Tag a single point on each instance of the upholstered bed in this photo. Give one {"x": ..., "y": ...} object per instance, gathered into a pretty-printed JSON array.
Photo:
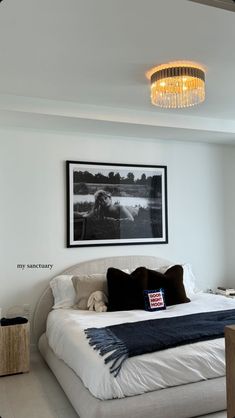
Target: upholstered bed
[{"x": 204, "y": 395}]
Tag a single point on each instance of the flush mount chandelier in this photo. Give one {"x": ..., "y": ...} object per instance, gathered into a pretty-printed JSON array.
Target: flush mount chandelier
[{"x": 177, "y": 84}]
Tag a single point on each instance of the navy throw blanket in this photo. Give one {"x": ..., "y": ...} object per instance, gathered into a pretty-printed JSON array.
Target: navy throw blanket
[{"x": 131, "y": 339}]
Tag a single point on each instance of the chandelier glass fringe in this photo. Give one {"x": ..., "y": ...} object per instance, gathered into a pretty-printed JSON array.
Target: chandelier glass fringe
[{"x": 177, "y": 84}]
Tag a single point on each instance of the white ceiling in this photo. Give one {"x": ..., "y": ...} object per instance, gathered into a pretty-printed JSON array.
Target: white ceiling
[{"x": 86, "y": 60}]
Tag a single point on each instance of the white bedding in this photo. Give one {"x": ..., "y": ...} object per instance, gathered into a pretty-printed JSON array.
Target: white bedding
[{"x": 171, "y": 367}]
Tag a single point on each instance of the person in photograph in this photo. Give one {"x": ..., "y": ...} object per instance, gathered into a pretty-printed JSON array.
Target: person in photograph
[{"x": 105, "y": 209}]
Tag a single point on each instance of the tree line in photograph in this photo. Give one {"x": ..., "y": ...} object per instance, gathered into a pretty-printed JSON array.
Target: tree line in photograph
[
  {"x": 112, "y": 178},
  {"x": 87, "y": 183}
]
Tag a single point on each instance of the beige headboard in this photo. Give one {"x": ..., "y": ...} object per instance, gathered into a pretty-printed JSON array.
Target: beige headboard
[{"x": 99, "y": 265}]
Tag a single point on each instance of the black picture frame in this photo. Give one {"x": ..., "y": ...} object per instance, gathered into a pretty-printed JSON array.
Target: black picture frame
[{"x": 116, "y": 204}]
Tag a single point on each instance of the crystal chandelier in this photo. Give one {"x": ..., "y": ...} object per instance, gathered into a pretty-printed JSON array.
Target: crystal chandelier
[{"x": 177, "y": 84}]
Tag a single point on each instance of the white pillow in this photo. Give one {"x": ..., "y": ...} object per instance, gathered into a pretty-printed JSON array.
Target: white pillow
[
  {"x": 188, "y": 277},
  {"x": 63, "y": 291}
]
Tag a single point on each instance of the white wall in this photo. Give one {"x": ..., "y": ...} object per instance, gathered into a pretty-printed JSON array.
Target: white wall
[{"x": 33, "y": 205}]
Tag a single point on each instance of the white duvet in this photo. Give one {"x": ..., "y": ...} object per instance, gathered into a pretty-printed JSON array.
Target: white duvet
[{"x": 148, "y": 372}]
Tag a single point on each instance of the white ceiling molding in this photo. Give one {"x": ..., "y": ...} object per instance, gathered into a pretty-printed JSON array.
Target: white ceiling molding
[{"x": 68, "y": 116}]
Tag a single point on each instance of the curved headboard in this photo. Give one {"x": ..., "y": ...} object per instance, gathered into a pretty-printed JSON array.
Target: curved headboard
[{"x": 99, "y": 265}]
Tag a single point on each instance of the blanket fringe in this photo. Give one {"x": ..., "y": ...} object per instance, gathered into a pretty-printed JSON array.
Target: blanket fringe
[{"x": 104, "y": 341}]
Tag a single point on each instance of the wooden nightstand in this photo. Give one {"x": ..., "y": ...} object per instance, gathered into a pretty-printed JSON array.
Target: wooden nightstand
[
  {"x": 230, "y": 369},
  {"x": 14, "y": 349}
]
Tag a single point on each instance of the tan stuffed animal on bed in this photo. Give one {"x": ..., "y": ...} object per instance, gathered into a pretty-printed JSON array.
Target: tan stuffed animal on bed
[{"x": 97, "y": 301}]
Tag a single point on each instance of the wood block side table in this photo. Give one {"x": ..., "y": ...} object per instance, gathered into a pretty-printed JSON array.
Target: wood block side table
[{"x": 14, "y": 349}]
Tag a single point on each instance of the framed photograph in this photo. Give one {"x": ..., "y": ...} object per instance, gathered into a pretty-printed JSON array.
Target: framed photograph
[{"x": 116, "y": 204}]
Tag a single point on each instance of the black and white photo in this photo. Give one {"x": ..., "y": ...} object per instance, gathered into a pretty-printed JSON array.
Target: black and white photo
[{"x": 116, "y": 204}]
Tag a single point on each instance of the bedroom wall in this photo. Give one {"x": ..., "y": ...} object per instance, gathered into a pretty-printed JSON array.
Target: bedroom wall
[{"x": 33, "y": 205}]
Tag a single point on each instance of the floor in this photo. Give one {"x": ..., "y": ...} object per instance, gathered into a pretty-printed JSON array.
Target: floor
[
  {"x": 38, "y": 395},
  {"x": 34, "y": 395}
]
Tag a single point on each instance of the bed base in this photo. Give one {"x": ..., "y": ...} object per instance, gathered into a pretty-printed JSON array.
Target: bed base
[{"x": 184, "y": 401}]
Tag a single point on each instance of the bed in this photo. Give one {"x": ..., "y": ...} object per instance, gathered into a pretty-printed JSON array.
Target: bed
[{"x": 201, "y": 392}]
